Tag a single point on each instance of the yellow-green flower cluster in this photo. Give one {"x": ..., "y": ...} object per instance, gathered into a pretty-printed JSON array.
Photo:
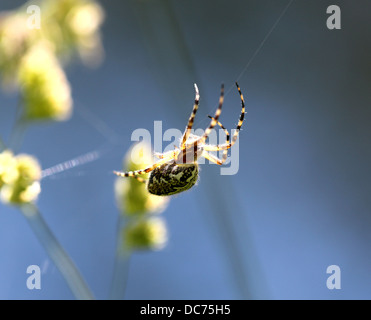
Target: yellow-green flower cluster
[
  {"x": 45, "y": 90},
  {"x": 15, "y": 38},
  {"x": 74, "y": 25},
  {"x": 145, "y": 233},
  {"x": 142, "y": 230},
  {"x": 8, "y": 168},
  {"x": 19, "y": 178},
  {"x": 30, "y": 56}
]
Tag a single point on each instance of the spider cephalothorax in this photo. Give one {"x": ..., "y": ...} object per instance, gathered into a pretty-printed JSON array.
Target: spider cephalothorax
[{"x": 177, "y": 170}]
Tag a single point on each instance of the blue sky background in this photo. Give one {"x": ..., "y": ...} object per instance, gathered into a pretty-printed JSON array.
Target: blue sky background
[{"x": 301, "y": 199}]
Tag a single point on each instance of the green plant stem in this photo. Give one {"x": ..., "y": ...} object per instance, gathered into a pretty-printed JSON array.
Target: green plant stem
[
  {"x": 2, "y": 145},
  {"x": 121, "y": 266},
  {"x": 19, "y": 129},
  {"x": 17, "y": 134},
  {"x": 56, "y": 253}
]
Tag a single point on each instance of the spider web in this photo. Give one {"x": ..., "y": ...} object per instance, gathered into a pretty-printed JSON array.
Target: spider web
[{"x": 112, "y": 141}]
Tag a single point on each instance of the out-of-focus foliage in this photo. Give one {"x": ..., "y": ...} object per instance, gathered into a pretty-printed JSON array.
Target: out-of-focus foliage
[
  {"x": 73, "y": 25},
  {"x": 35, "y": 41},
  {"x": 8, "y": 168},
  {"x": 145, "y": 233},
  {"x": 44, "y": 88},
  {"x": 31, "y": 55},
  {"x": 15, "y": 39},
  {"x": 142, "y": 230},
  {"x": 19, "y": 178}
]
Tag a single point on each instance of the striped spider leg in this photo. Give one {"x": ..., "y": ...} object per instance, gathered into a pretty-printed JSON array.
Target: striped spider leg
[
  {"x": 228, "y": 145},
  {"x": 213, "y": 158}
]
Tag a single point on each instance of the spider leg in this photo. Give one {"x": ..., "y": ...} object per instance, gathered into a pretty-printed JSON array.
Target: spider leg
[
  {"x": 159, "y": 155},
  {"x": 218, "y": 147},
  {"x": 213, "y": 158},
  {"x": 235, "y": 135},
  {"x": 225, "y": 152},
  {"x": 221, "y": 126},
  {"x": 142, "y": 171},
  {"x": 218, "y": 111},
  {"x": 191, "y": 118},
  {"x": 167, "y": 155}
]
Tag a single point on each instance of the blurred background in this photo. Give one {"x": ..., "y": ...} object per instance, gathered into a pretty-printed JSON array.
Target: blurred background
[{"x": 301, "y": 199}]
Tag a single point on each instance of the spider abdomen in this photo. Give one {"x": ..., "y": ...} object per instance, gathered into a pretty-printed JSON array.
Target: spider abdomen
[{"x": 172, "y": 178}]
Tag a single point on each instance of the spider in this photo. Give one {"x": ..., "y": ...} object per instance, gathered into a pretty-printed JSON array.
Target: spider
[{"x": 177, "y": 170}]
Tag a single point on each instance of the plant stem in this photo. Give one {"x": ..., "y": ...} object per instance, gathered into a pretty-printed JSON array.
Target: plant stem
[
  {"x": 121, "y": 267},
  {"x": 17, "y": 134},
  {"x": 19, "y": 129},
  {"x": 56, "y": 253},
  {"x": 2, "y": 145}
]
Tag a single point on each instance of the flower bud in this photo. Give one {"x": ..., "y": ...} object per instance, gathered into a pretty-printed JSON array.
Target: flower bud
[
  {"x": 84, "y": 22},
  {"x": 144, "y": 234},
  {"x": 73, "y": 25},
  {"x": 25, "y": 187},
  {"x": 8, "y": 168},
  {"x": 14, "y": 41},
  {"x": 44, "y": 87}
]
